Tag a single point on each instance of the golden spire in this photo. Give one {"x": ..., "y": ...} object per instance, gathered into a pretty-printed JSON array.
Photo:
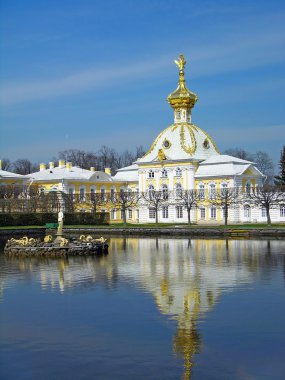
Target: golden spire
[{"x": 182, "y": 99}]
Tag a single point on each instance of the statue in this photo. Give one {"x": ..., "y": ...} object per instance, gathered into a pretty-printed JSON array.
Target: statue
[
  {"x": 180, "y": 63},
  {"x": 60, "y": 217},
  {"x": 161, "y": 155}
]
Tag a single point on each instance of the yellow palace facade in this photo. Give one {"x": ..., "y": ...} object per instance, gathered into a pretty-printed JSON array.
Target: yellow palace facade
[{"x": 182, "y": 157}]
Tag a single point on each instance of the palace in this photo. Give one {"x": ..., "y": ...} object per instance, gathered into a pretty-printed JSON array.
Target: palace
[{"x": 182, "y": 157}]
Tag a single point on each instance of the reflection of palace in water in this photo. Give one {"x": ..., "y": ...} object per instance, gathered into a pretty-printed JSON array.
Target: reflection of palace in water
[{"x": 185, "y": 277}]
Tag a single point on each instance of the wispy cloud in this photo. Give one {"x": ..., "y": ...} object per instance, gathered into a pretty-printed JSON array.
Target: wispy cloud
[{"x": 235, "y": 52}]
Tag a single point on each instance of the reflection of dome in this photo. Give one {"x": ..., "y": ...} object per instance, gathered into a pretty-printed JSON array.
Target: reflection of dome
[{"x": 181, "y": 142}]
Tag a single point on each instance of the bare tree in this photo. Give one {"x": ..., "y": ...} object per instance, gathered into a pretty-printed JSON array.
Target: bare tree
[
  {"x": 188, "y": 199},
  {"x": 140, "y": 151},
  {"x": 24, "y": 166},
  {"x": 6, "y": 164},
  {"x": 225, "y": 198},
  {"x": 266, "y": 196},
  {"x": 124, "y": 200},
  {"x": 156, "y": 200},
  {"x": 265, "y": 164},
  {"x": 79, "y": 158},
  {"x": 239, "y": 153},
  {"x": 96, "y": 200}
]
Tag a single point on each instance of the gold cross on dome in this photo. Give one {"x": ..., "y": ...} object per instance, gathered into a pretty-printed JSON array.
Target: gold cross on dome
[{"x": 180, "y": 63}]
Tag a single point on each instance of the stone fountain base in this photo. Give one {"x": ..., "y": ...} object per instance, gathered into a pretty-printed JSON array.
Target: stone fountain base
[{"x": 60, "y": 247}]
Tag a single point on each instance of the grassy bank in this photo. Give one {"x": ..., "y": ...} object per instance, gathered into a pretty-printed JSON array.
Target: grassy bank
[{"x": 160, "y": 225}]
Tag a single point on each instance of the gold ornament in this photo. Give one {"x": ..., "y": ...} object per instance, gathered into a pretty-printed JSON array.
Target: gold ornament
[{"x": 161, "y": 155}]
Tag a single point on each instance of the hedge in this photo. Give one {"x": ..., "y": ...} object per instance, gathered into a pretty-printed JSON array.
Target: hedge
[{"x": 40, "y": 219}]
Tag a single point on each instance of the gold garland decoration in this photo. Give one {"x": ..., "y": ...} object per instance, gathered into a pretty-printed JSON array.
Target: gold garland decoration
[{"x": 189, "y": 150}]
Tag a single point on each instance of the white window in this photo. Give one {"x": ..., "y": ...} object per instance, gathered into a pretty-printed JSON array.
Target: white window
[
  {"x": 138, "y": 214},
  {"x": 164, "y": 173},
  {"x": 212, "y": 193},
  {"x": 165, "y": 212},
  {"x": 151, "y": 213},
  {"x": 178, "y": 190},
  {"x": 213, "y": 212},
  {"x": 224, "y": 187},
  {"x": 201, "y": 192},
  {"x": 82, "y": 194},
  {"x": 246, "y": 211},
  {"x": 263, "y": 212},
  {"x": 113, "y": 214},
  {"x": 122, "y": 214},
  {"x": 178, "y": 172},
  {"x": 151, "y": 174},
  {"x": 92, "y": 194},
  {"x": 112, "y": 194},
  {"x": 179, "y": 212},
  {"x": 247, "y": 188},
  {"x": 151, "y": 191},
  {"x": 103, "y": 194},
  {"x": 130, "y": 211},
  {"x": 282, "y": 211},
  {"x": 164, "y": 191},
  {"x": 178, "y": 114},
  {"x": 202, "y": 213}
]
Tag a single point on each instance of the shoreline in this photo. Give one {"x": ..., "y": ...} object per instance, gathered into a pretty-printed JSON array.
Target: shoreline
[{"x": 205, "y": 232}]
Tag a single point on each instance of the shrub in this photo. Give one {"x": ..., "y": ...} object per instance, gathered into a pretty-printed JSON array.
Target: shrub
[{"x": 40, "y": 219}]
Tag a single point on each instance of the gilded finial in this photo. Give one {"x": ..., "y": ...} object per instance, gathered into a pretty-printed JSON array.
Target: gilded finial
[{"x": 180, "y": 62}]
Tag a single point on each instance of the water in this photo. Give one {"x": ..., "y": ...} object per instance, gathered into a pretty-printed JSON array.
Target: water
[{"x": 150, "y": 309}]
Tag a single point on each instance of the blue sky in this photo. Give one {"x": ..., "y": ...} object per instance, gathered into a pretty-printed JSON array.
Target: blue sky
[{"x": 82, "y": 73}]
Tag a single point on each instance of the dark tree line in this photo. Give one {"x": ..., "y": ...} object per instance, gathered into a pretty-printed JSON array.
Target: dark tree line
[{"x": 105, "y": 157}]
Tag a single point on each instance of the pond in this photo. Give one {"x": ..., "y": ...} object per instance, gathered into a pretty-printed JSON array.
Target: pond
[{"x": 153, "y": 308}]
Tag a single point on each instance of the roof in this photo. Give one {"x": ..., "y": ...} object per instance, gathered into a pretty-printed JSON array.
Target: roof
[
  {"x": 9, "y": 175},
  {"x": 224, "y": 165},
  {"x": 181, "y": 141},
  {"x": 74, "y": 173},
  {"x": 224, "y": 158},
  {"x": 128, "y": 173}
]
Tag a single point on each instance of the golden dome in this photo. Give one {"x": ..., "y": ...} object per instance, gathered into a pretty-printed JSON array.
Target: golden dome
[{"x": 182, "y": 97}]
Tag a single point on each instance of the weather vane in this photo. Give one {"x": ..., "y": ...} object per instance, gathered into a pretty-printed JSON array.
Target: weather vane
[{"x": 180, "y": 63}]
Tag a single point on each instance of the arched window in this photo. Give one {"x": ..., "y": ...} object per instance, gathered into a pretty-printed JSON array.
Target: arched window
[
  {"x": 164, "y": 191},
  {"x": 246, "y": 211},
  {"x": 151, "y": 191},
  {"x": 213, "y": 212},
  {"x": 112, "y": 194},
  {"x": 164, "y": 173},
  {"x": 103, "y": 193},
  {"x": 212, "y": 192},
  {"x": 151, "y": 174},
  {"x": 178, "y": 172},
  {"x": 247, "y": 188},
  {"x": 178, "y": 190},
  {"x": 224, "y": 187},
  {"x": 282, "y": 211},
  {"x": 201, "y": 191},
  {"x": 82, "y": 194},
  {"x": 92, "y": 194}
]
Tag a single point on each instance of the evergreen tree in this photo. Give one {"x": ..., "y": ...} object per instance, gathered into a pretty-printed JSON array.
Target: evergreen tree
[{"x": 280, "y": 179}]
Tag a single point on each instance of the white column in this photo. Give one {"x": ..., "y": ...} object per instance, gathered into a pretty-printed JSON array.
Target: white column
[{"x": 191, "y": 181}]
